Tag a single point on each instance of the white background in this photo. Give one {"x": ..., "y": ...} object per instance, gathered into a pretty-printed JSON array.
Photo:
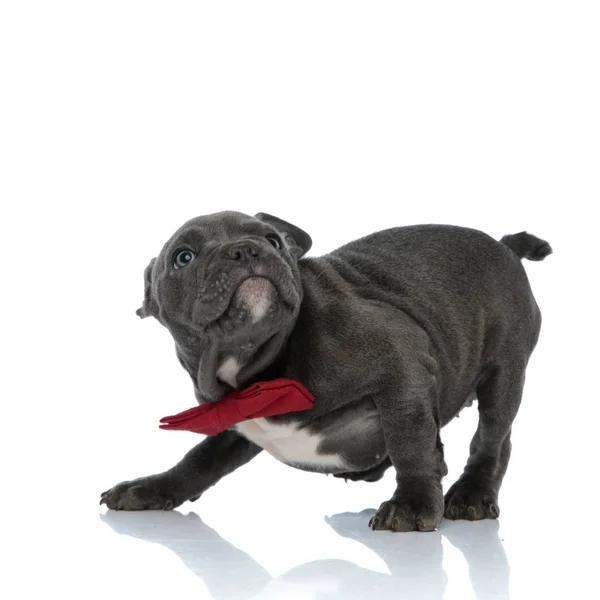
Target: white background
[{"x": 121, "y": 120}]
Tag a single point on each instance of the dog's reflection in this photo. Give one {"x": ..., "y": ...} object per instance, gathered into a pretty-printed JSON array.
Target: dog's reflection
[{"x": 414, "y": 560}]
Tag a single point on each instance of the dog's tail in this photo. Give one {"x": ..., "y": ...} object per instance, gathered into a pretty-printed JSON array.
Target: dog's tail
[{"x": 525, "y": 245}]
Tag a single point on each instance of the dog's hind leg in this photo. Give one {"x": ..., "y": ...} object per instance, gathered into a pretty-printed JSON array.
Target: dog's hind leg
[{"x": 475, "y": 495}]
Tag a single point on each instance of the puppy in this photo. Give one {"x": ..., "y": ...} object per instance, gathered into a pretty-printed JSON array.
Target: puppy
[{"x": 393, "y": 334}]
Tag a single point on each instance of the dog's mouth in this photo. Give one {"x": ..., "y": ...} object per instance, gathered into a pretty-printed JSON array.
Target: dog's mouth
[{"x": 256, "y": 294}]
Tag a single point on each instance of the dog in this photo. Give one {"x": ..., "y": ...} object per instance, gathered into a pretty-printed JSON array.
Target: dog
[{"x": 393, "y": 334}]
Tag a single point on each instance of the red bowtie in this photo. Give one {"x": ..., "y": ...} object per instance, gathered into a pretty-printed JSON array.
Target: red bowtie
[{"x": 264, "y": 399}]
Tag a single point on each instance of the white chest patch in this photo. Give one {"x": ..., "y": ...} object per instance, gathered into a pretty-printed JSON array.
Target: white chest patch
[
  {"x": 228, "y": 371},
  {"x": 288, "y": 444}
]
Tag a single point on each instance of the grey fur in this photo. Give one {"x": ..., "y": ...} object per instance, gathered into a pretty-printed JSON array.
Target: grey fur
[{"x": 393, "y": 334}]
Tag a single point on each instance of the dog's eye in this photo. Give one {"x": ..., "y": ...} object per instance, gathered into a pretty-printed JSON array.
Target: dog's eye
[
  {"x": 183, "y": 258},
  {"x": 274, "y": 241}
]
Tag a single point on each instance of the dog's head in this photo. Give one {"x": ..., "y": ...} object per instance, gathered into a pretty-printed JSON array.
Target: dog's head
[{"x": 228, "y": 277}]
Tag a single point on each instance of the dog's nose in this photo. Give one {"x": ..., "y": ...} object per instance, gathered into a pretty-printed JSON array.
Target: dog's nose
[{"x": 245, "y": 251}]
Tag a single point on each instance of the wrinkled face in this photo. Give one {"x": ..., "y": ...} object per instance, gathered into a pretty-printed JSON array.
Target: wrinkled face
[{"x": 227, "y": 274}]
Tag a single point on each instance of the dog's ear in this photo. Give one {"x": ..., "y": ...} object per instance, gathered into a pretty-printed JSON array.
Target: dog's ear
[
  {"x": 149, "y": 308},
  {"x": 297, "y": 240}
]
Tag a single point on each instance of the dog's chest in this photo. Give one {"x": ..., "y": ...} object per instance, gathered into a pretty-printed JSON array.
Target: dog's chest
[{"x": 289, "y": 444}]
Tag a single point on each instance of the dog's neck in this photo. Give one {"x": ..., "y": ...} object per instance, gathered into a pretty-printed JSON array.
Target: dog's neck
[{"x": 217, "y": 366}]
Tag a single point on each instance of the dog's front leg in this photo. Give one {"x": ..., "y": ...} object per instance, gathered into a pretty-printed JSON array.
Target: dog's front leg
[
  {"x": 200, "y": 468},
  {"x": 413, "y": 444}
]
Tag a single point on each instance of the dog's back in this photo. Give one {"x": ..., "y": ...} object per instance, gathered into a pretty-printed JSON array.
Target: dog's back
[
  {"x": 446, "y": 276},
  {"x": 468, "y": 291}
]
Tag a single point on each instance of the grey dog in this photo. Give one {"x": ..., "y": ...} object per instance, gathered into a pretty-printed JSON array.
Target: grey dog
[{"x": 393, "y": 334}]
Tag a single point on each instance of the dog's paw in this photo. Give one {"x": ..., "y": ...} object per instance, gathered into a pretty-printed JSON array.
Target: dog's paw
[
  {"x": 405, "y": 512},
  {"x": 146, "y": 493},
  {"x": 472, "y": 500}
]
